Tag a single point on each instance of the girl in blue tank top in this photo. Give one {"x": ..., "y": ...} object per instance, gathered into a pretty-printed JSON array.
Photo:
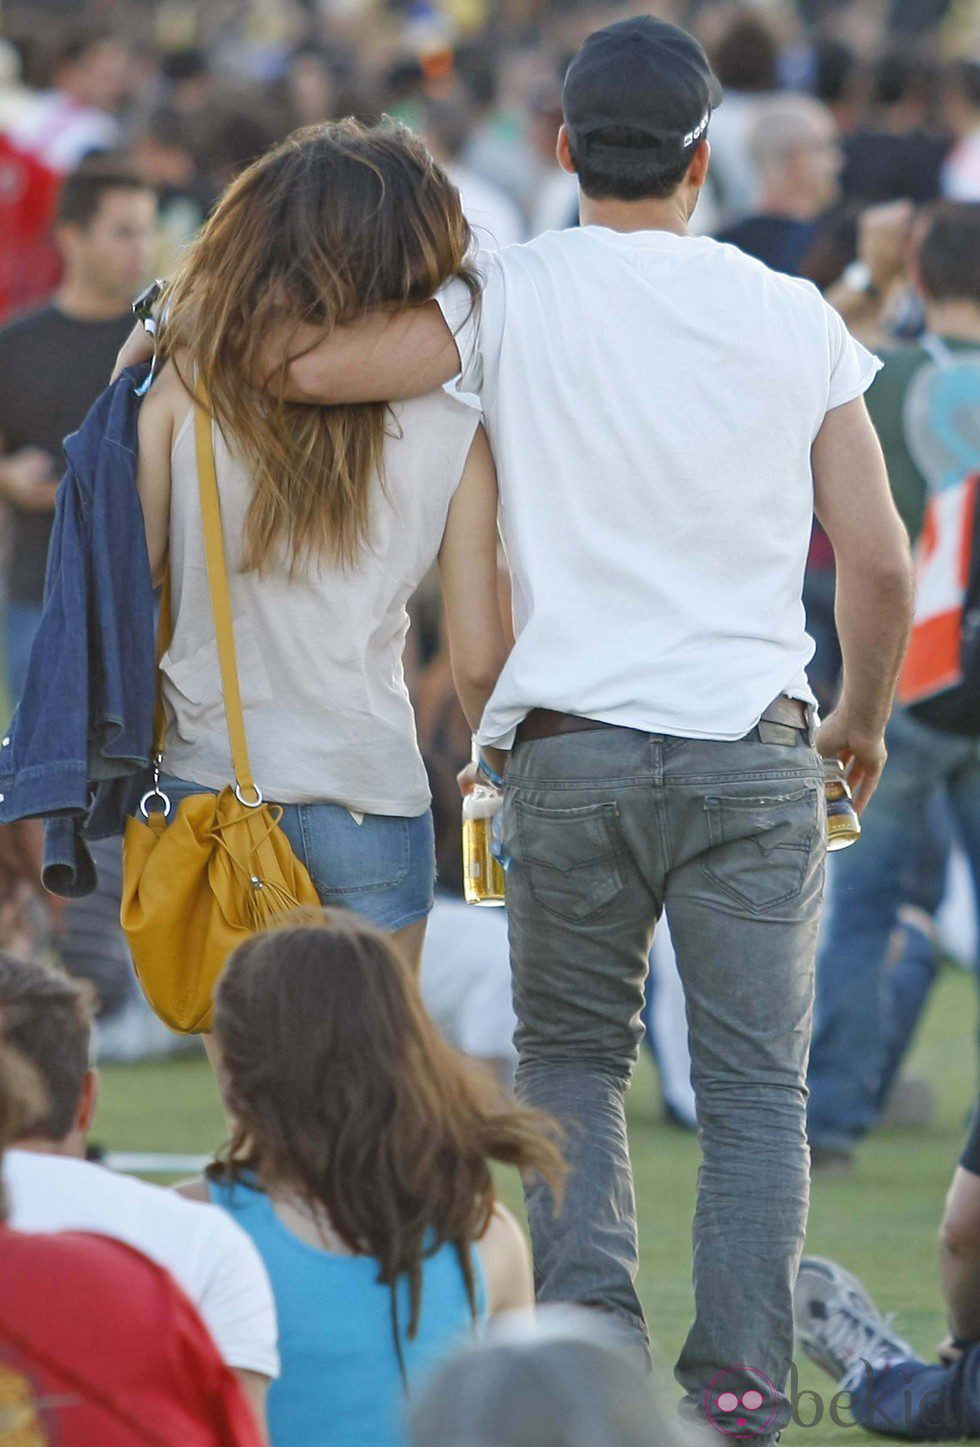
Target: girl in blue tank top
[
  {"x": 341, "y": 1380},
  {"x": 359, "y": 1165}
]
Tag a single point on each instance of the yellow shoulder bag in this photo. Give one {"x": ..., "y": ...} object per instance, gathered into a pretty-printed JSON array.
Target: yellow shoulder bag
[{"x": 197, "y": 885}]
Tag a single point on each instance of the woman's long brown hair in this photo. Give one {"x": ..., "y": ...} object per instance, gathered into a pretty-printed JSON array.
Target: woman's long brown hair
[
  {"x": 342, "y": 1090},
  {"x": 336, "y": 220}
]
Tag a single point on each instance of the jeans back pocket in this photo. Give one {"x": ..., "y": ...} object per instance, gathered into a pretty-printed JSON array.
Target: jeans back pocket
[
  {"x": 761, "y": 845},
  {"x": 570, "y": 857}
]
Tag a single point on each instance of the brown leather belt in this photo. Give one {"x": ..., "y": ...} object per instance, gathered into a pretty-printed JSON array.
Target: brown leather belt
[{"x": 546, "y": 723}]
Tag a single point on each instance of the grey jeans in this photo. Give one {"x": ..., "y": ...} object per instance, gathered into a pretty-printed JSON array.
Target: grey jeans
[{"x": 604, "y": 830}]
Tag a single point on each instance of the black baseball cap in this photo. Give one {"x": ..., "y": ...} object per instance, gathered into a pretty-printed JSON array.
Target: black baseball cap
[{"x": 641, "y": 75}]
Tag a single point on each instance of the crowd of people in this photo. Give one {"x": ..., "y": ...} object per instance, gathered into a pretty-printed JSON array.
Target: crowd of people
[{"x": 340, "y": 1265}]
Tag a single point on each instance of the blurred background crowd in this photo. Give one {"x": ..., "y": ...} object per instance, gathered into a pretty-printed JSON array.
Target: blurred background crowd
[
  {"x": 844, "y": 123},
  {"x": 831, "y": 107}
]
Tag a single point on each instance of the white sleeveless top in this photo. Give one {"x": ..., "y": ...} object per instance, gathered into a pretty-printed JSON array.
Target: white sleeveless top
[{"x": 327, "y": 712}]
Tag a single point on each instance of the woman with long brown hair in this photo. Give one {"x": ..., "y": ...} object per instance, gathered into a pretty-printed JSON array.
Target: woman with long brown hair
[
  {"x": 360, "y": 1165},
  {"x": 331, "y": 515}
]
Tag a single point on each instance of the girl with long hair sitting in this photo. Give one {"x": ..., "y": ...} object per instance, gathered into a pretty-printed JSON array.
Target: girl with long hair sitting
[
  {"x": 359, "y": 1163},
  {"x": 331, "y": 515}
]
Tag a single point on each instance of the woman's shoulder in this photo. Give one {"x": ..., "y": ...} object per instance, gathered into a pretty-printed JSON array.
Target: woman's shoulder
[
  {"x": 168, "y": 399},
  {"x": 430, "y": 439},
  {"x": 443, "y": 408},
  {"x": 506, "y": 1259}
]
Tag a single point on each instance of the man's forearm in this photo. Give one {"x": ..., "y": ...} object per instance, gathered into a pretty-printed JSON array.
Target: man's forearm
[
  {"x": 474, "y": 695},
  {"x": 874, "y": 619},
  {"x": 961, "y": 1287},
  {"x": 382, "y": 357},
  {"x": 959, "y": 1255}
]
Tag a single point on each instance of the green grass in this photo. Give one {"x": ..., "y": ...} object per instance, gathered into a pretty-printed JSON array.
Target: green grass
[{"x": 881, "y": 1222}]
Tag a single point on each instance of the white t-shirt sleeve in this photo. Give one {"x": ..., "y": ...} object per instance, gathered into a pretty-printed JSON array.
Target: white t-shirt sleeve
[
  {"x": 852, "y": 367},
  {"x": 475, "y": 321},
  {"x": 208, "y": 1253},
  {"x": 236, "y": 1299}
]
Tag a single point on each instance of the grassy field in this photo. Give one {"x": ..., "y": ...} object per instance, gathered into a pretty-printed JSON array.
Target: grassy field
[{"x": 881, "y": 1222}]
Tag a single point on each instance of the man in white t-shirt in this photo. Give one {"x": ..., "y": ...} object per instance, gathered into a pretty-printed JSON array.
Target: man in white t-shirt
[
  {"x": 664, "y": 412},
  {"x": 49, "y": 1186}
]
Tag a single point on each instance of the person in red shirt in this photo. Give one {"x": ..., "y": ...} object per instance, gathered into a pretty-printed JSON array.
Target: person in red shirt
[
  {"x": 100, "y": 1345},
  {"x": 30, "y": 266}
]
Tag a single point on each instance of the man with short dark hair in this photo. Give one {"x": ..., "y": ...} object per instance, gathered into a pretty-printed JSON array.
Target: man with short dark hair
[
  {"x": 53, "y": 365},
  {"x": 49, "y": 1186},
  {"x": 925, "y": 409},
  {"x": 46, "y": 1018},
  {"x": 663, "y": 410}
]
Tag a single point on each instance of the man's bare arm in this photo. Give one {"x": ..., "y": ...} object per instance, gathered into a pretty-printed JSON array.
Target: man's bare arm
[
  {"x": 874, "y": 589},
  {"x": 381, "y": 357},
  {"x": 959, "y": 1255}
]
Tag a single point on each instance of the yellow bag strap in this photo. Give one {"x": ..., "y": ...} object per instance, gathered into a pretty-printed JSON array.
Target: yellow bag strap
[
  {"x": 214, "y": 551},
  {"x": 164, "y": 630}
]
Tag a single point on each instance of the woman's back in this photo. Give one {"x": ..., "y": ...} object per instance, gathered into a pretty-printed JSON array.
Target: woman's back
[
  {"x": 341, "y": 1385},
  {"x": 320, "y": 652}
]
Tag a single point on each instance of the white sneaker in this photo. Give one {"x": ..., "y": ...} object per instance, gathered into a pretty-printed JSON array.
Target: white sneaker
[{"x": 838, "y": 1325}]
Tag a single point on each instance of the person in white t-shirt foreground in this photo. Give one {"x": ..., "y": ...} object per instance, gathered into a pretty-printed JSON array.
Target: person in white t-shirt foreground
[
  {"x": 665, "y": 414},
  {"x": 49, "y": 1186}
]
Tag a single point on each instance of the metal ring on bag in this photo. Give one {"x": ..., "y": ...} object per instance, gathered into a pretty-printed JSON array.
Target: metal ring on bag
[
  {"x": 258, "y": 802},
  {"x": 155, "y": 793}
]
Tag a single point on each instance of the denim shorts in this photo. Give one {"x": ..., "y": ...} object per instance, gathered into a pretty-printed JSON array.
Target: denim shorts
[{"x": 383, "y": 868}]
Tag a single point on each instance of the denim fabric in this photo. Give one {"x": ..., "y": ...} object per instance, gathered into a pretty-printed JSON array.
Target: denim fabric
[
  {"x": 908, "y": 986},
  {"x": 854, "y": 1009},
  {"x": 921, "y": 1401},
  {"x": 604, "y": 829},
  {"x": 909, "y": 981},
  {"x": 85, "y": 718},
  {"x": 383, "y": 868},
  {"x": 21, "y": 622}
]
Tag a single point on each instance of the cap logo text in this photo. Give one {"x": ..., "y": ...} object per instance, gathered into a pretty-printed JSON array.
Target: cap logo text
[{"x": 698, "y": 131}]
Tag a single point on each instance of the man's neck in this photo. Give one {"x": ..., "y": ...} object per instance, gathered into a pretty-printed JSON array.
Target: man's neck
[
  {"x": 667, "y": 215},
  {"x": 85, "y": 303},
  {"x": 73, "y": 1145},
  {"x": 958, "y": 320}
]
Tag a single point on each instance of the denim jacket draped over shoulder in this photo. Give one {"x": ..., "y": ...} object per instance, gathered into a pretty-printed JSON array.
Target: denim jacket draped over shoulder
[{"x": 81, "y": 740}]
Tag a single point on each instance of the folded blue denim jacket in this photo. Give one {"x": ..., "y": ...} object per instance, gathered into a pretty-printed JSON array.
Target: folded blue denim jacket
[{"x": 80, "y": 743}]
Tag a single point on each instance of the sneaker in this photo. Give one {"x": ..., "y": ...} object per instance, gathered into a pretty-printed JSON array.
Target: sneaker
[{"x": 838, "y": 1325}]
